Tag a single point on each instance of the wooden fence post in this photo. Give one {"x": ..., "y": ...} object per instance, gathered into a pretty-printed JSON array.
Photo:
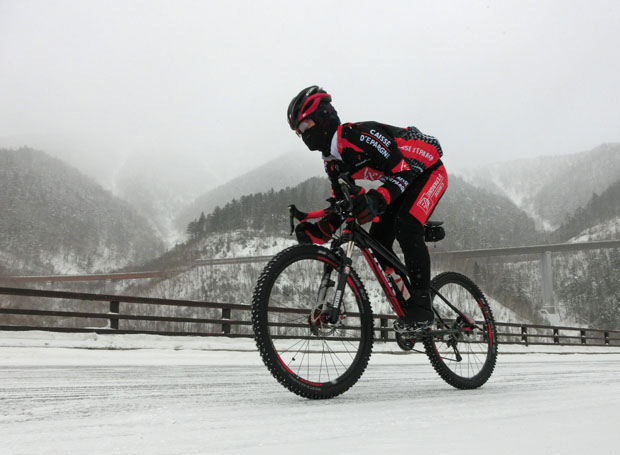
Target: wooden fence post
[
  {"x": 225, "y": 325},
  {"x": 384, "y": 333},
  {"x": 606, "y": 337},
  {"x": 114, "y": 309},
  {"x": 524, "y": 334},
  {"x": 583, "y": 337},
  {"x": 556, "y": 336}
]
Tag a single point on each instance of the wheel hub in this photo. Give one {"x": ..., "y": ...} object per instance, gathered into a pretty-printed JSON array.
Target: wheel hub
[{"x": 319, "y": 323}]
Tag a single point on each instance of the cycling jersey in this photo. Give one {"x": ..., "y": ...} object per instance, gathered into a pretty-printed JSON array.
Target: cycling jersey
[
  {"x": 408, "y": 163},
  {"x": 375, "y": 151}
]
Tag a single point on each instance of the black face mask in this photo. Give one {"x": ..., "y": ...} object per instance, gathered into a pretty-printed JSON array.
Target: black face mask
[
  {"x": 316, "y": 139},
  {"x": 319, "y": 137}
]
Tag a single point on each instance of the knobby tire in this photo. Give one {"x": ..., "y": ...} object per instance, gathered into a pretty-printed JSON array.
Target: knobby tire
[
  {"x": 477, "y": 347},
  {"x": 311, "y": 362}
]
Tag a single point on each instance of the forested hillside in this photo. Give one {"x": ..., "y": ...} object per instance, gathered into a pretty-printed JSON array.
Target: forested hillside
[
  {"x": 262, "y": 211},
  {"x": 288, "y": 170},
  {"x": 250, "y": 218},
  {"x": 603, "y": 208},
  {"x": 56, "y": 220}
]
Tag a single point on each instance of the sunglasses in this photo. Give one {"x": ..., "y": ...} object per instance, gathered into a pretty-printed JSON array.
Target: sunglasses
[{"x": 303, "y": 126}]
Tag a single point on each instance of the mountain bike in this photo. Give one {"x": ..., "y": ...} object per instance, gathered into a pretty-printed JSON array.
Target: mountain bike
[{"x": 313, "y": 321}]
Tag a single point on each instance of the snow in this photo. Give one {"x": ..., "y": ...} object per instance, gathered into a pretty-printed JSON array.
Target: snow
[
  {"x": 607, "y": 230},
  {"x": 190, "y": 395},
  {"x": 243, "y": 243}
]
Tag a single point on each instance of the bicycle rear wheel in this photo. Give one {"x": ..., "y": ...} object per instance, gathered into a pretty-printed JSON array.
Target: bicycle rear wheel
[
  {"x": 303, "y": 351},
  {"x": 464, "y": 358}
]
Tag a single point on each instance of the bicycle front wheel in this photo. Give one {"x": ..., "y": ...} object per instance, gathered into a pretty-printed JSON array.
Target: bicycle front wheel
[
  {"x": 304, "y": 351},
  {"x": 465, "y": 355}
]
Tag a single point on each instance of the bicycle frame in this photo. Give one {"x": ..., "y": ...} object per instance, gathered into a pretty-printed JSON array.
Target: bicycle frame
[
  {"x": 370, "y": 249},
  {"x": 354, "y": 235}
]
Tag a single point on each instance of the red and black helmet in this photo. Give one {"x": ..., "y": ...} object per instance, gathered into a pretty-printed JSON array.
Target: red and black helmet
[{"x": 305, "y": 104}]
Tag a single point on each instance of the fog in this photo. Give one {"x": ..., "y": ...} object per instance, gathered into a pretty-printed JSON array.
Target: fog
[{"x": 101, "y": 83}]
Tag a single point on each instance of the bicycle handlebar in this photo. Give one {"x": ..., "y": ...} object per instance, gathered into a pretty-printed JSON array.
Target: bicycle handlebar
[{"x": 345, "y": 205}]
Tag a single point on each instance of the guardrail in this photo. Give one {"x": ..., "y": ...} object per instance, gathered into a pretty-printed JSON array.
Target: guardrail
[
  {"x": 230, "y": 320},
  {"x": 543, "y": 251}
]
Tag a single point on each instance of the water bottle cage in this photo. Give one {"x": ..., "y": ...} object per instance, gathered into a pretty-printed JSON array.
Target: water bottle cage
[{"x": 398, "y": 285}]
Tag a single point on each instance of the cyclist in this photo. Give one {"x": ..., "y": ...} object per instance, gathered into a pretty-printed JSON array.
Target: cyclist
[{"x": 408, "y": 164}]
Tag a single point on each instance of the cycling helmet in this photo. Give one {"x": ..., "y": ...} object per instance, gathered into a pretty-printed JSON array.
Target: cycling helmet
[{"x": 305, "y": 104}]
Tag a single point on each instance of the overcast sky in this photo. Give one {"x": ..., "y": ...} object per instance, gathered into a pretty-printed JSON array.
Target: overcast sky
[{"x": 493, "y": 80}]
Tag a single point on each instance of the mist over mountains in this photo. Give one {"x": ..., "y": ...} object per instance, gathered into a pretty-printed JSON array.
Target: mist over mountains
[{"x": 160, "y": 186}]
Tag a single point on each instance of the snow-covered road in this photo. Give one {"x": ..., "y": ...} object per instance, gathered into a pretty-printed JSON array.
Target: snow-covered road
[{"x": 166, "y": 401}]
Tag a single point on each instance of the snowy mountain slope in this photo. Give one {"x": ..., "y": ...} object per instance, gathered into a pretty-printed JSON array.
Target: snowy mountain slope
[
  {"x": 606, "y": 230},
  {"x": 596, "y": 219},
  {"x": 477, "y": 218},
  {"x": 550, "y": 188},
  {"x": 56, "y": 220},
  {"x": 159, "y": 180}
]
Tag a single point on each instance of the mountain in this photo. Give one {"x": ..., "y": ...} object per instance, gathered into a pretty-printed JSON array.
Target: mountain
[
  {"x": 56, "y": 220},
  {"x": 553, "y": 187},
  {"x": 599, "y": 219},
  {"x": 476, "y": 218},
  {"x": 287, "y": 170},
  {"x": 159, "y": 180}
]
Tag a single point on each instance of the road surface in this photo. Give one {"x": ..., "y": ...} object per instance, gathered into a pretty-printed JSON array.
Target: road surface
[{"x": 166, "y": 401}]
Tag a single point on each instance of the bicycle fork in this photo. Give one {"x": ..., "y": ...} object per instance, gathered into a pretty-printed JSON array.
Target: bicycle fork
[{"x": 333, "y": 315}]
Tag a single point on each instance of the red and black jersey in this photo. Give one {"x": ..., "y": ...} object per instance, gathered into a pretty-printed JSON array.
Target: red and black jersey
[{"x": 375, "y": 151}]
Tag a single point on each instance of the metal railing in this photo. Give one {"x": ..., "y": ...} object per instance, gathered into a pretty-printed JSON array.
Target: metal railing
[{"x": 225, "y": 319}]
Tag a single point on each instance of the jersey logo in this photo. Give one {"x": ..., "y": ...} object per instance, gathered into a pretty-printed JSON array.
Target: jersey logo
[
  {"x": 367, "y": 174},
  {"x": 432, "y": 194},
  {"x": 425, "y": 204},
  {"x": 373, "y": 142},
  {"x": 400, "y": 167}
]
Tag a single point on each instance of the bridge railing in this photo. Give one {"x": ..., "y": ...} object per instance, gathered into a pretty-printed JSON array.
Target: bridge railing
[
  {"x": 143, "y": 315},
  {"x": 544, "y": 253}
]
